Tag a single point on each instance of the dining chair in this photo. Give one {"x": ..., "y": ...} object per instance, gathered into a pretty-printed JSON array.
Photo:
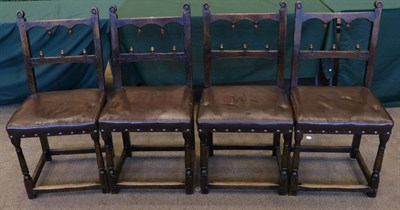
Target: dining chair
[
  {"x": 59, "y": 113},
  {"x": 139, "y": 109},
  {"x": 245, "y": 108},
  {"x": 352, "y": 110}
]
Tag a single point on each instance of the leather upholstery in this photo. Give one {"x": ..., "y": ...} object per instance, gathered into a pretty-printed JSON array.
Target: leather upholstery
[
  {"x": 147, "y": 108},
  {"x": 57, "y": 112},
  {"x": 339, "y": 108},
  {"x": 244, "y": 108}
]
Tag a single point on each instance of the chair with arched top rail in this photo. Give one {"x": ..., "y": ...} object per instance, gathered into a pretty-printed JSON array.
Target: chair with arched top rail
[
  {"x": 245, "y": 108},
  {"x": 338, "y": 109},
  {"x": 149, "y": 108},
  {"x": 67, "y": 112}
]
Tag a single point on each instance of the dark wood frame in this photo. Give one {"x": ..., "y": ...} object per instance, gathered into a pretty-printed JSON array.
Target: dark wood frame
[
  {"x": 206, "y": 135},
  {"x": 30, "y": 62},
  {"x": 368, "y": 56},
  {"x": 117, "y": 57}
]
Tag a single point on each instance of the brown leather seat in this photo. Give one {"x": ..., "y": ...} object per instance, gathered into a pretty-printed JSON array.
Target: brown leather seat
[
  {"x": 339, "y": 108},
  {"x": 244, "y": 107},
  {"x": 52, "y": 113},
  {"x": 147, "y": 108}
]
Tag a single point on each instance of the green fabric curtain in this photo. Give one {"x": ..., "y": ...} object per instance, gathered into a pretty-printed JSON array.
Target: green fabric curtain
[
  {"x": 226, "y": 70},
  {"x": 13, "y": 86}
]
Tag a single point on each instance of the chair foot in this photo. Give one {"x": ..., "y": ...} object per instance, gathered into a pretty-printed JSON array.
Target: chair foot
[
  {"x": 103, "y": 181},
  {"x": 204, "y": 190},
  {"x": 113, "y": 182},
  {"x": 283, "y": 183},
  {"x": 204, "y": 181},
  {"x": 372, "y": 193},
  {"x": 29, "y": 187},
  {"x": 293, "y": 184},
  {"x": 32, "y": 195},
  {"x": 189, "y": 181}
]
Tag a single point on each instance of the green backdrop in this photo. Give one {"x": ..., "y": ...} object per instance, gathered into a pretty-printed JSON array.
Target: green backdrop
[{"x": 13, "y": 86}]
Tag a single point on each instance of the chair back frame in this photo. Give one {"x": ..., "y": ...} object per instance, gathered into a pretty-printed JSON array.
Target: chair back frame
[
  {"x": 32, "y": 61},
  {"x": 369, "y": 55},
  {"x": 118, "y": 57},
  {"x": 278, "y": 55}
]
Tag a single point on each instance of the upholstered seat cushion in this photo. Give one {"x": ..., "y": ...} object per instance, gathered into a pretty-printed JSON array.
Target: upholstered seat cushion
[
  {"x": 60, "y": 112},
  {"x": 148, "y": 109},
  {"x": 244, "y": 108},
  {"x": 339, "y": 109}
]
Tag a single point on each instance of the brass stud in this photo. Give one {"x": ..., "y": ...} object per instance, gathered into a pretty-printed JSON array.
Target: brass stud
[
  {"x": 95, "y": 131},
  {"x": 310, "y": 131},
  {"x": 113, "y": 129},
  {"x": 265, "y": 130},
  {"x": 72, "y": 132},
  {"x": 233, "y": 26},
  {"x": 255, "y": 25},
  {"x": 334, "y": 47},
  {"x": 48, "y": 134},
  {"x": 200, "y": 130},
  {"x": 84, "y": 52},
  {"x": 70, "y": 31},
  {"x": 62, "y": 53},
  {"x": 226, "y": 130},
  {"x": 41, "y": 54},
  {"x": 151, "y": 129},
  {"x": 358, "y": 47},
  {"x": 239, "y": 130},
  {"x": 336, "y": 131},
  {"x": 138, "y": 129},
  {"x": 152, "y": 49},
  {"x": 177, "y": 129},
  {"x": 323, "y": 131},
  {"x": 267, "y": 47},
  {"x": 23, "y": 136},
  {"x": 347, "y": 26},
  {"x": 49, "y": 32},
  {"x": 311, "y": 47},
  {"x": 162, "y": 31},
  {"x": 126, "y": 129},
  {"x": 60, "y": 133},
  {"x": 290, "y": 131},
  {"x": 252, "y": 130},
  {"x": 362, "y": 131},
  {"x": 173, "y": 48},
  {"x": 221, "y": 47},
  {"x": 244, "y": 47},
  {"x": 139, "y": 30},
  {"x": 375, "y": 132},
  {"x": 187, "y": 129},
  {"x": 36, "y": 134},
  {"x": 214, "y": 130},
  {"x": 278, "y": 131},
  {"x": 131, "y": 50},
  {"x": 325, "y": 25},
  {"x": 388, "y": 133}
]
